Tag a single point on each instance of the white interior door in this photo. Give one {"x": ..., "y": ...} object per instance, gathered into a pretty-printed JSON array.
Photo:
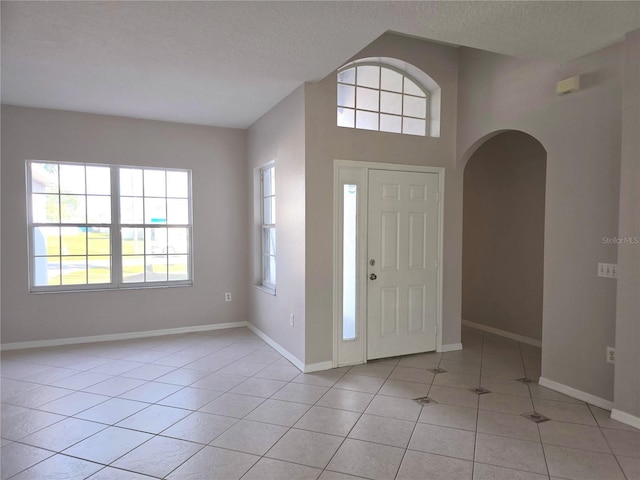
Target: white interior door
[{"x": 402, "y": 265}]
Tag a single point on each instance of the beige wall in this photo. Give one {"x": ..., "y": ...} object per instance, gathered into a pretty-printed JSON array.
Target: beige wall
[
  {"x": 581, "y": 134},
  {"x": 280, "y": 136},
  {"x": 503, "y": 235},
  {"x": 217, "y": 158},
  {"x": 326, "y": 142},
  {"x": 627, "y": 378}
]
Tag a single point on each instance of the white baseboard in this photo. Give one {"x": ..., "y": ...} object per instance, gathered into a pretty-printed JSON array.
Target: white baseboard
[
  {"x": 626, "y": 418},
  {"x": 579, "y": 394},
  {"x": 318, "y": 367},
  {"x": 503, "y": 333},
  {"x": 450, "y": 347},
  {"x": 277, "y": 347},
  {"x": 119, "y": 336}
]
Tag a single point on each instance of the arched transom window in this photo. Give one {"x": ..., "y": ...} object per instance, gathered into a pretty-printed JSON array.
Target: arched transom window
[{"x": 377, "y": 97}]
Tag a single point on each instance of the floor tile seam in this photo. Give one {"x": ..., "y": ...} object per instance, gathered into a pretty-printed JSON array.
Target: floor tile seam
[
  {"x": 404, "y": 454},
  {"x": 441, "y": 454},
  {"x": 370, "y": 376},
  {"x": 564, "y": 421},
  {"x": 517, "y": 469},
  {"x": 164, "y": 435},
  {"x": 550, "y": 444},
  {"x": 592, "y": 426},
  {"x": 612, "y": 450},
  {"x": 475, "y": 437},
  {"x": 36, "y": 431},
  {"x": 26, "y": 379},
  {"x": 21, "y": 442},
  {"x": 122, "y": 419},
  {"x": 510, "y": 438},
  {"x": 390, "y": 417},
  {"x": 635, "y": 431},
  {"x": 360, "y": 414},
  {"x": 279, "y": 460},
  {"x": 113, "y": 396},
  {"x": 297, "y": 463},
  {"x": 380, "y": 443},
  {"x": 39, "y": 409},
  {"x": 507, "y": 436},
  {"x": 245, "y": 452},
  {"x": 68, "y": 446},
  {"x": 182, "y": 385},
  {"x": 336, "y": 471},
  {"x": 127, "y": 470},
  {"x": 146, "y": 431},
  {"x": 574, "y": 402},
  {"x": 202, "y": 447},
  {"x": 124, "y": 375},
  {"x": 136, "y": 447},
  {"x": 27, "y": 391},
  {"x": 38, "y": 463}
]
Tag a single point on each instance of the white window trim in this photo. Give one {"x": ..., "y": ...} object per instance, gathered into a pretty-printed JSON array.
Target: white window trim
[
  {"x": 428, "y": 85},
  {"x": 263, "y": 285},
  {"x": 115, "y": 240}
]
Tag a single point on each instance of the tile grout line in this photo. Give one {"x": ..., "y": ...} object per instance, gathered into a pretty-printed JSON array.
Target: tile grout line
[
  {"x": 544, "y": 454},
  {"x": 360, "y": 413},
  {"x": 475, "y": 443}
]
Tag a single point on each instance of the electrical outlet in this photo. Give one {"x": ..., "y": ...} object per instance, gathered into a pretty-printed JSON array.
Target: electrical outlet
[
  {"x": 227, "y": 297},
  {"x": 291, "y": 319},
  {"x": 611, "y": 355},
  {"x": 607, "y": 270}
]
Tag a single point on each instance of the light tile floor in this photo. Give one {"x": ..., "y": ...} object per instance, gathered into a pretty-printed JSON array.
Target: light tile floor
[{"x": 224, "y": 405}]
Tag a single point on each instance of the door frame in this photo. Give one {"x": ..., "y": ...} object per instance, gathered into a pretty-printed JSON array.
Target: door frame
[{"x": 357, "y": 172}]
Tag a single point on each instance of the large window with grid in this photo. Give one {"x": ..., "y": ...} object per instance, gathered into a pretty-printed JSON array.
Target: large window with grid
[
  {"x": 268, "y": 226},
  {"x": 377, "y": 97},
  {"x": 107, "y": 227}
]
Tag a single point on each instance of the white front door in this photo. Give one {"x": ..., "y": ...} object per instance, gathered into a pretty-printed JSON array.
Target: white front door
[{"x": 402, "y": 265}]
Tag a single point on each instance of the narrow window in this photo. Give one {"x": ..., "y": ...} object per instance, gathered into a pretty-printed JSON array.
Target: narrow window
[
  {"x": 106, "y": 227},
  {"x": 349, "y": 244},
  {"x": 268, "y": 226}
]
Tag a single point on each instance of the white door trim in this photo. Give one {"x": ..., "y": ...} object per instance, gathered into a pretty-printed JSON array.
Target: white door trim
[{"x": 361, "y": 169}]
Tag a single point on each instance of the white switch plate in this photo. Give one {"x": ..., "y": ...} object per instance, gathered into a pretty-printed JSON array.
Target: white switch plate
[
  {"x": 607, "y": 270},
  {"x": 227, "y": 297},
  {"x": 291, "y": 319}
]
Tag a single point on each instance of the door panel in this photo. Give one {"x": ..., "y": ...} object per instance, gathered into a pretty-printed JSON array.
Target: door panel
[
  {"x": 389, "y": 254},
  {"x": 389, "y": 310},
  {"x": 403, "y": 243}
]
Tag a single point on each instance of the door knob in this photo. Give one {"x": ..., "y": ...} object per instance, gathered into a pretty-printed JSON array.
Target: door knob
[{"x": 373, "y": 276}]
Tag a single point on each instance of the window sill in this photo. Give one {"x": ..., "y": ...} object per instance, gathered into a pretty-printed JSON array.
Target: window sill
[
  {"x": 270, "y": 291},
  {"x": 97, "y": 288}
]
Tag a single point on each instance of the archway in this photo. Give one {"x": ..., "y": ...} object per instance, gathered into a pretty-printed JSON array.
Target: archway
[{"x": 503, "y": 239}]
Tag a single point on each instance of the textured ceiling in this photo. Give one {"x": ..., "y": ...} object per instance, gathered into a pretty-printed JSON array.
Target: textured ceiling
[{"x": 227, "y": 63}]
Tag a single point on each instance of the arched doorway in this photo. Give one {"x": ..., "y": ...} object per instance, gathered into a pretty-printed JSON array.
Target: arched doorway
[{"x": 503, "y": 242}]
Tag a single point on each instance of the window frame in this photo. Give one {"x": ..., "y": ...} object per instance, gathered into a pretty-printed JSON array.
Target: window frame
[
  {"x": 115, "y": 226},
  {"x": 264, "y": 227},
  {"x": 380, "y": 90}
]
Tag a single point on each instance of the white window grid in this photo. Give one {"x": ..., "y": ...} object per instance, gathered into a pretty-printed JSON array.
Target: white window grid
[
  {"x": 268, "y": 230},
  {"x": 402, "y": 115},
  {"x": 115, "y": 227}
]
